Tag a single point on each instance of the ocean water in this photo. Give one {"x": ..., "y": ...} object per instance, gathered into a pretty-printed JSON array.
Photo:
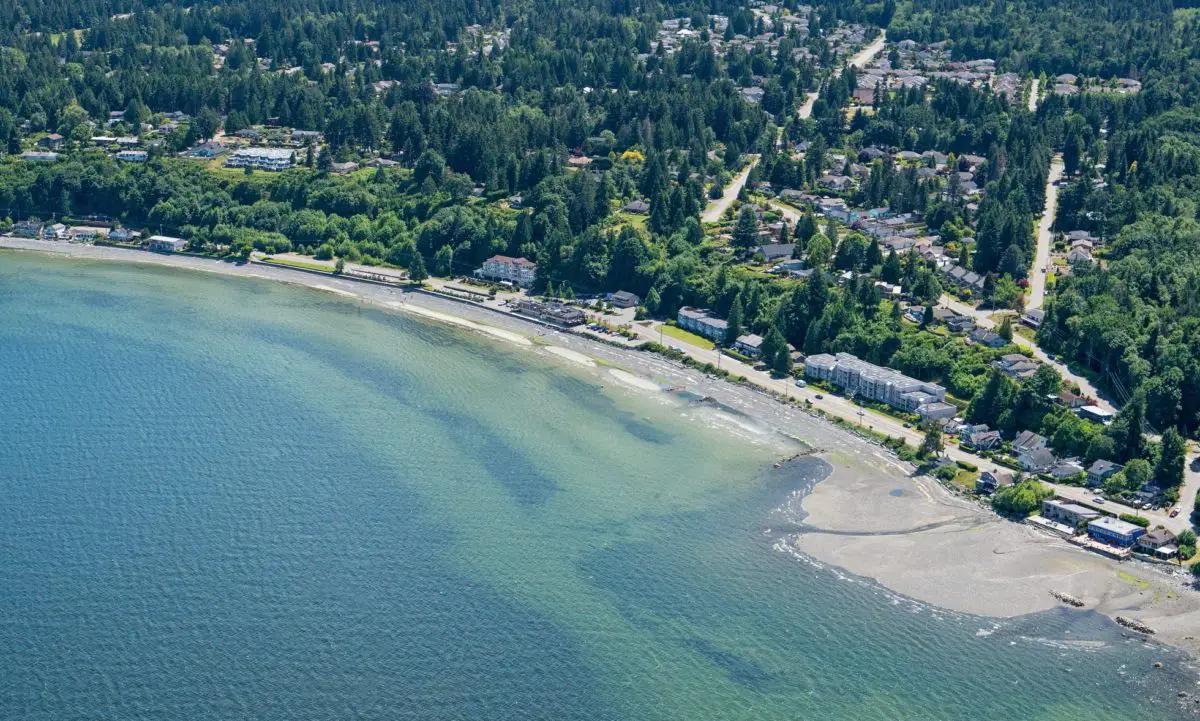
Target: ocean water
[{"x": 224, "y": 498}]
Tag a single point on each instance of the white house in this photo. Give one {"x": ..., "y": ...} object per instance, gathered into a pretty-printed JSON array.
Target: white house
[{"x": 166, "y": 244}]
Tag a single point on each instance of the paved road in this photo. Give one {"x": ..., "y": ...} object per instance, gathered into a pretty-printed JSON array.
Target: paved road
[
  {"x": 1045, "y": 237},
  {"x": 845, "y": 409},
  {"x": 1033, "y": 95},
  {"x": 832, "y": 405},
  {"x": 982, "y": 319},
  {"x": 716, "y": 208},
  {"x": 806, "y": 107},
  {"x": 864, "y": 56},
  {"x": 1191, "y": 483}
]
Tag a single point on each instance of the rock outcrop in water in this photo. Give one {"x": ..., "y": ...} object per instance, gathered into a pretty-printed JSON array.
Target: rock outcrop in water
[
  {"x": 1134, "y": 625},
  {"x": 1067, "y": 599}
]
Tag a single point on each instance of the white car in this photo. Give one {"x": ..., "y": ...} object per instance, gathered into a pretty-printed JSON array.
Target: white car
[{"x": 801, "y": 383}]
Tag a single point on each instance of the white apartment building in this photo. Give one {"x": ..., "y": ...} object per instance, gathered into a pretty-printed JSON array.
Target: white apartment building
[
  {"x": 518, "y": 271},
  {"x": 878, "y": 383},
  {"x": 272, "y": 159}
]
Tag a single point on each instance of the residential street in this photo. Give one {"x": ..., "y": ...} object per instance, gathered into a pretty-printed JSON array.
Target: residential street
[
  {"x": 716, "y": 208},
  {"x": 806, "y": 107},
  {"x": 1033, "y": 95},
  {"x": 1045, "y": 237},
  {"x": 864, "y": 56}
]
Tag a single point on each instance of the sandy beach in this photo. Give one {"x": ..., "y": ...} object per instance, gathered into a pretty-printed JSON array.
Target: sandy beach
[{"x": 871, "y": 516}]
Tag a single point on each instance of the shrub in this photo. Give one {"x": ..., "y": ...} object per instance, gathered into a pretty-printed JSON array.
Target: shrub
[
  {"x": 967, "y": 466},
  {"x": 1021, "y": 499},
  {"x": 1135, "y": 520}
]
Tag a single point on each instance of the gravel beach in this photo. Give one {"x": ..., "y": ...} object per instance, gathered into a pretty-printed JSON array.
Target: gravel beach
[{"x": 871, "y": 516}]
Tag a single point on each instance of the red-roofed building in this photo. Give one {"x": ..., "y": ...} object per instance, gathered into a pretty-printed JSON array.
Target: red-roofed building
[{"x": 517, "y": 271}]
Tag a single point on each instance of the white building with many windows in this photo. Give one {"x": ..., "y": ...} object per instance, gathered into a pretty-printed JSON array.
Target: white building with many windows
[
  {"x": 702, "y": 322},
  {"x": 272, "y": 159},
  {"x": 878, "y": 383},
  {"x": 518, "y": 271}
]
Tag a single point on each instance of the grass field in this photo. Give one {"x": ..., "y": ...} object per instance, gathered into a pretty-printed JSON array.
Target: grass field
[
  {"x": 300, "y": 264},
  {"x": 680, "y": 334}
]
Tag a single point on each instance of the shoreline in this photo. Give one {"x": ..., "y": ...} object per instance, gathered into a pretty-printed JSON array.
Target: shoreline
[{"x": 869, "y": 515}]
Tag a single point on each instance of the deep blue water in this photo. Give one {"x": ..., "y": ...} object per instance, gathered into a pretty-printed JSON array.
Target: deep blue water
[{"x": 227, "y": 499}]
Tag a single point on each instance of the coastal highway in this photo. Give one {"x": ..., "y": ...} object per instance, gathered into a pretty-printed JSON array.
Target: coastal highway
[
  {"x": 847, "y": 410},
  {"x": 388, "y": 296}
]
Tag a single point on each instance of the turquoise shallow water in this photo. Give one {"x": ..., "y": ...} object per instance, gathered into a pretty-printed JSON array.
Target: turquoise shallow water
[{"x": 225, "y": 498}]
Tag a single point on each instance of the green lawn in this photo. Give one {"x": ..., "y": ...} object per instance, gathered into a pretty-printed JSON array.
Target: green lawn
[
  {"x": 966, "y": 479},
  {"x": 637, "y": 221},
  {"x": 300, "y": 264},
  {"x": 683, "y": 335}
]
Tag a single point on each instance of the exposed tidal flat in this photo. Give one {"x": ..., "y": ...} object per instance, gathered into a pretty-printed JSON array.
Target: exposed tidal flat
[{"x": 226, "y": 498}]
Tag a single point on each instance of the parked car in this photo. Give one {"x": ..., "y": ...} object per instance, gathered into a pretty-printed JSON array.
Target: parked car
[
  {"x": 1174, "y": 511},
  {"x": 801, "y": 383},
  {"x": 1097, "y": 499},
  {"x": 908, "y": 425}
]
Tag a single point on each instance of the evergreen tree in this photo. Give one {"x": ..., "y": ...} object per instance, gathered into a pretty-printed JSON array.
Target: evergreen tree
[
  {"x": 933, "y": 443},
  {"x": 1127, "y": 429},
  {"x": 733, "y": 330},
  {"x": 416, "y": 270},
  {"x": 781, "y": 362},
  {"x": 890, "y": 273},
  {"x": 1006, "y": 330},
  {"x": 806, "y": 228},
  {"x": 1168, "y": 473},
  {"x": 745, "y": 232}
]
